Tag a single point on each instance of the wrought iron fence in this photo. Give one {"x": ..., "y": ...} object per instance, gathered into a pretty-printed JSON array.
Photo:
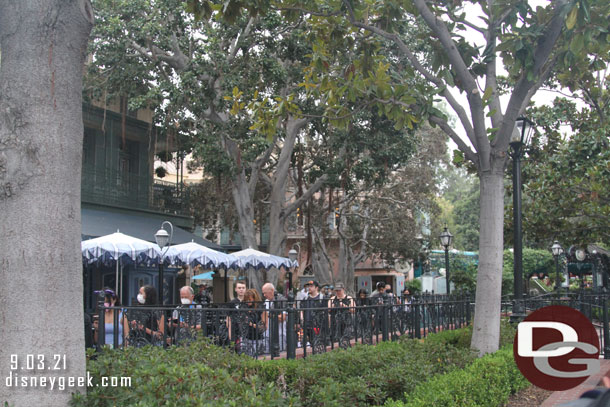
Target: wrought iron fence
[
  {"x": 281, "y": 328},
  {"x": 134, "y": 191},
  {"x": 593, "y": 305}
]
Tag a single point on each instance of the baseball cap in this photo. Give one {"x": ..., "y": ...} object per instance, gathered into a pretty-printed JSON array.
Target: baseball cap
[
  {"x": 313, "y": 282},
  {"x": 339, "y": 286}
]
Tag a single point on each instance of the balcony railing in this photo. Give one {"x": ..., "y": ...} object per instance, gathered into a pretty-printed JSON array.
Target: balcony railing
[{"x": 133, "y": 191}]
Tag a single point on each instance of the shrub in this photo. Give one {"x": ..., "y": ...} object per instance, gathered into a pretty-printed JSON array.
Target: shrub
[
  {"x": 487, "y": 382},
  {"x": 461, "y": 337},
  {"x": 203, "y": 374}
]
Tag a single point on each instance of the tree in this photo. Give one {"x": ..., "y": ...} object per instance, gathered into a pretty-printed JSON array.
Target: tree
[
  {"x": 233, "y": 84},
  {"x": 43, "y": 47},
  {"x": 530, "y": 42},
  {"x": 381, "y": 221},
  {"x": 567, "y": 182},
  {"x": 460, "y": 203}
]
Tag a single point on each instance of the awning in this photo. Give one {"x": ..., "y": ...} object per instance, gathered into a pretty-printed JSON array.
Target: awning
[{"x": 100, "y": 222}]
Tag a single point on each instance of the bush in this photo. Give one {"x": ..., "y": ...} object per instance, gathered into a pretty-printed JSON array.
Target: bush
[
  {"x": 488, "y": 382},
  {"x": 460, "y": 338},
  {"x": 203, "y": 374}
]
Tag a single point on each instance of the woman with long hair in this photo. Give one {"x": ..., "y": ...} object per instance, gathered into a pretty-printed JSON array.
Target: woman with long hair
[
  {"x": 255, "y": 324},
  {"x": 110, "y": 301},
  {"x": 148, "y": 327}
]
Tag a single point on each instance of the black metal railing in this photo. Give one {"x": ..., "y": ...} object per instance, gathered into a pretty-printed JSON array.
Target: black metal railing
[
  {"x": 593, "y": 305},
  {"x": 134, "y": 191},
  {"x": 283, "y": 329}
]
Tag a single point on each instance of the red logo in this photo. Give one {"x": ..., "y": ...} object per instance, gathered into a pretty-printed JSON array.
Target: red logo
[{"x": 556, "y": 348}]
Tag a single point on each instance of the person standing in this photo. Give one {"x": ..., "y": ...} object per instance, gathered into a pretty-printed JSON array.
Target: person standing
[
  {"x": 255, "y": 324},
  {"x": 111, "y": 300},
  {"x": 203, "y": 297},
  {"x": 185, "y": 320},
  {"x": 315, "y": 321},
  {"x": 236, "y": 318},
  {"x": 148, "y": 326},
  {"x": 275, "y": 337},
  {"x": 379, "y": 295},
  {"x": 341, "y": 315},
  {"x": 240, "y": 291}
]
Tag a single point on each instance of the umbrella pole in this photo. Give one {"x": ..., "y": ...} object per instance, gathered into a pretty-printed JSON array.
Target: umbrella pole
[
  {"x": 116, "y": 285},
  {"x": 226, "y": 286},
  {"x": 121, "y": 286}
]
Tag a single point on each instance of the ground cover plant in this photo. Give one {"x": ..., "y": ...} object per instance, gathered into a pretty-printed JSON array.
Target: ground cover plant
[
  {"x": 489, "y": 381},
  {"x": 206, "y": 375}
]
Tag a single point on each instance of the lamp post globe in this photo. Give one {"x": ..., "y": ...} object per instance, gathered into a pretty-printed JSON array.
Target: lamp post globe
[
  {"x": 557, "y": 250},
  {"x": 164, "y": 240},
  {"x": 292, "y": 255},
  {"x": 446, "y": 237}
]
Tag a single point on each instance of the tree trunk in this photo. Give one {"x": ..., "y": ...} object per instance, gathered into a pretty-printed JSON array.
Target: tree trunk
[
  {"x": 277, "y": 215},
  {"x": 245, "y": 211},
  {"x": 41, "y": 131},
  {"x": 486, "y": 332},
  {"x": 346, "y": 266},
  {"x": 320, "y": 262}
]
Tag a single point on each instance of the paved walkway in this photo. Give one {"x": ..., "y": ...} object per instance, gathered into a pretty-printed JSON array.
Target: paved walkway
[{"x": 560, "y": 397}]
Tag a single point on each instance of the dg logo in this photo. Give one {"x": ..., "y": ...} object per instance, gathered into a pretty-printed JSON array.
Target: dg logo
[{"x": 556, "y": 348}]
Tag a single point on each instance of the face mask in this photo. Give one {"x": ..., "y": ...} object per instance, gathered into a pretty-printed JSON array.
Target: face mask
[
  {"x": 141, "y": 299},
  {"x": 185, "y": 301}
]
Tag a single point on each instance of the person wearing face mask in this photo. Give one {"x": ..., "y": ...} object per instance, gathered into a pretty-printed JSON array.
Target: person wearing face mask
[
  {"x": 111, "y": 300},
  {"x": 185, "y": 319},
  {"x": 147, "y": 326}
]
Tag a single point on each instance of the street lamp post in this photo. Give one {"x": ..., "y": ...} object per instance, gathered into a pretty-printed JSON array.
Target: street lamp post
[
  {"x": 292, "y": 255},
  {"x": 520, "y": 138},
  {"x": 557, "y": 250},
  {"x": 446, "y": 238},
  {"x": 580, "y": 255},
  {"x": 164, "y": 241}
]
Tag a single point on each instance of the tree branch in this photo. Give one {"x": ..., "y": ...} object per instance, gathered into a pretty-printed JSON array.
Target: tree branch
[
  {"x": 521, "y": 92},
  {"x": 403, "y": 48},
  {"x": 468, "y": 83},
  {"x": 471, "y": 155}
]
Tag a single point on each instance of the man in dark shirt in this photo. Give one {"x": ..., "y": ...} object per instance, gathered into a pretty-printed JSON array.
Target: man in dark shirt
[
  {"x": 203, "y": 297},
  {"x": 315, "y": 322},
  {"x": 237, "y": 318}
]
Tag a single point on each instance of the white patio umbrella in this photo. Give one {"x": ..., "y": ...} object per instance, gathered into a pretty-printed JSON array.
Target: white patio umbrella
[
  {"x": 250, "y": 258},
  {"x": 120, "y": 249},
  {"x": 194, "y": 254}
]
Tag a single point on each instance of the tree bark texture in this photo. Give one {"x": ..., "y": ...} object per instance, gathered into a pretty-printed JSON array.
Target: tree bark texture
[
  {"x": 320, "y": 261},
  {"x": 245, "y": 211},
  {"x": 486, "y": 331},
  {"x": 43, "y": 46}
]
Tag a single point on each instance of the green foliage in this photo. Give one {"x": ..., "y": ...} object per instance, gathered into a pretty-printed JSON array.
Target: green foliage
[
  {"x": 535, "y": 262},
  {"x": 461, "y": 338},
  {"x": 463, "y": 275},
  {"x": 203, "y": 374},
  {"x": 488, "y": 382},
  {"x": 566, "y": 184},
  {"x": 460, "y": 197},
  {"x": 414, "y": 286}
]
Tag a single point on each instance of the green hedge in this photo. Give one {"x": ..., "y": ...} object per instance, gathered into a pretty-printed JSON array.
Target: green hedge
[
  {"x": 461, "y": 337},
  {"x": 206, "y": 375},
  {"x": 488, "y": 382}
]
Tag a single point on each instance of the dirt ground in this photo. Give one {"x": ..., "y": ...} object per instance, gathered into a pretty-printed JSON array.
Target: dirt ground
[{"x": 531, "y": 397}]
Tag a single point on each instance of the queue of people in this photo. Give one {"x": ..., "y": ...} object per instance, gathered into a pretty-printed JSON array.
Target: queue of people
[{"x": 257, "y": 325}]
